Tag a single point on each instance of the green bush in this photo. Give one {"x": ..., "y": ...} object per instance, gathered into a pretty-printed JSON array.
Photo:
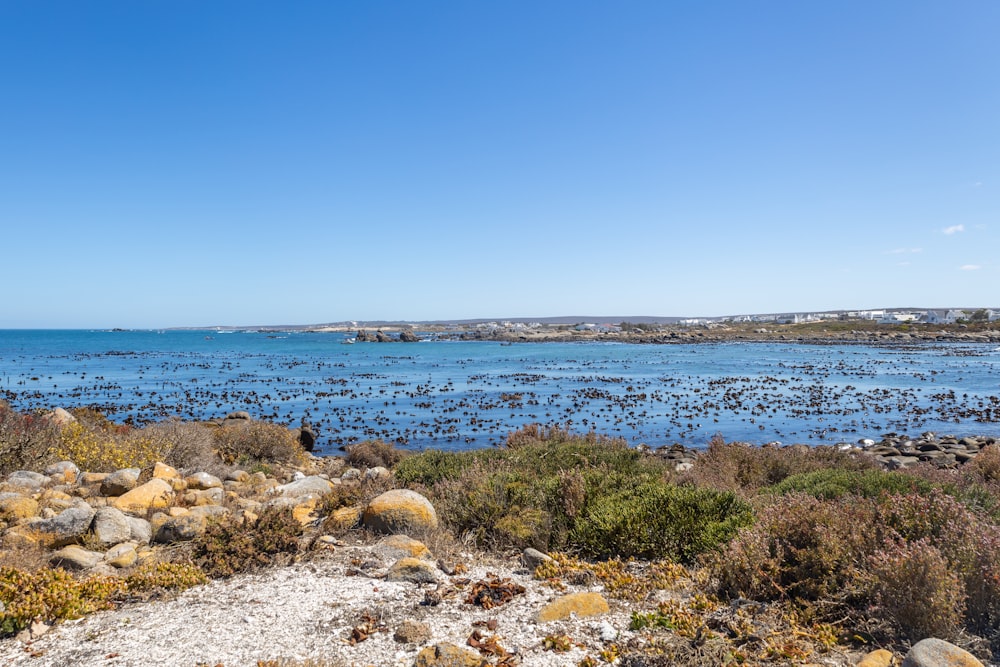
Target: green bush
[
  {"x": 551, "y": 491},
  {"x": 659, "y": 520},
  {"x": 834, "y": 483}
]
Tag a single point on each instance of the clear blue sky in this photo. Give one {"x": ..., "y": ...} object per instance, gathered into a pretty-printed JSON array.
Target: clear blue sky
[{"x": 182, "y": 162}]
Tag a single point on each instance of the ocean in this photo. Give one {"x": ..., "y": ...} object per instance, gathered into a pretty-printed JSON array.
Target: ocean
[{"x": 459, "y": 395}]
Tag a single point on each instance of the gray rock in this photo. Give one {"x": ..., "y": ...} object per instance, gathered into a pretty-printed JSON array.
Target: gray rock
[
  {"x": 27, "y": 480},
  {"x": 67, "y": 527},
  {"x": 120, "y": 482},
  {"x": 140, "y": 530},
  {"x": 111, "y": 526},
  {"x": 532, "y": 558},
  {"x": 313, "y": 485},
  {"x": 63, "y": 469},
  {"x": 181, "y": 528},
  {"x": 939, "y": 653}
]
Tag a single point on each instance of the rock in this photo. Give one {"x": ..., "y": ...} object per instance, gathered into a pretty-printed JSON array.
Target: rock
[
  {"x": 111, "y": 526},
  {"x": 607, "y": 632},
  {"x": 939, "y": 653},
  {"x": 27, "y": 480},
  {"x": 414, "y": 571},
  {"x": 580, "y": 604},
  {"x": 240, "y": 415},
  {"x": 349, "y": 474},
  {"x": 120, "y": 482},
  {"x": 306, "y": 435},
  {"x": 63, "y": 471},
  {"x": 313, "y": 485},
  {"x": 15, "y": 507},
  {"x": 90, "y": 478},
  {"x": 532, "y": 558},
  {"x": 202, "y": 480},
  {"x": 163, "y": 471},
  {"x": 180, "y": 528},
  {"x": 401, "y": 546},
  {"x": 59, "y": 417},
  {"x": 879, "y": 658},
  {"x": 154, "y": 494},
  {"x": 407, "y": 336},
  {"x": 205, "y": 497},
  {"x": 67, "y": 527},
  {"x": 140, "y": 531},
  {"x": 122, "y": 555},
  {"x": 75, "y": 557},
  {"x": 378, "y": 473},
  {"x": 412, "y": 632},
  {"x": 448, "y": 655},
  {"x": 344, "y": 518},
  {"x": 400, "y": 511}
]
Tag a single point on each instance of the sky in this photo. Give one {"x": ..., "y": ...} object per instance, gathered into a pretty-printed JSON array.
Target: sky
[{"x": 237, "y": 162}]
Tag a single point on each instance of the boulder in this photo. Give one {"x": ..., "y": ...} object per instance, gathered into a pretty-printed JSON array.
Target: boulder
[
  {"x": 313, "y": 485},
  {"x": 879, "y": 658},
  {"x": 75, "y": 557},
  {"x": 400, "y": 511},
  {"x": 59, "y": 417},
  {"x": 63, "y": 472},
  {"x": 401, "y": 546},
  {"x": 378, "y": 473},
  {"x": 111, "y": 526},
  {"x": 202, "y": 480},
  {"x": 448, "y": 655},
  {"x": 120, "y": 482},
  {"x": 140, "y": 531},
  {"x": 407, "y": 336},
  {"x": 181, "y": 528},
  {"x": 939, "y": 653},
  {"x": 27, "y": 480},
  {"x": 154, "y": 494},
  {"x": 414, "y": 571},
  {"x": 122, "y": 555},
  {"x": 163, "y": 471},
  {"x": 17, "y": 507},
  {"x": 532, "y": 558},
  {"x": 205, "y": 497},
  {"x": 67, "y": 527},
  {"x": 580, "y": 604},
  {"x": 344, "y": 518}
]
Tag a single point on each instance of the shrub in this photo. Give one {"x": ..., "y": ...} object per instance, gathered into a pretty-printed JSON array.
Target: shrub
[
  {"x": 587, "y": 493},
  {"x": 25, "y": 440},
  {"x": 104, "y": 451},
  {"x": 834, "y": 483},
  {"x": 801, "y": 549},
  {"x": 744, "y": 469},
  {"x": 187, "y": 446},
  {"x": 258, "y": 442},
  {"x": 659, "y": 520},
  {"x": 915, "y": 588},
  {"x": 228, "y": 548},
  {"x": 374, "y": 453}
]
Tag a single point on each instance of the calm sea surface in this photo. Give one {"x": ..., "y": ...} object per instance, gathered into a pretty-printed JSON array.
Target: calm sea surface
[{"x": 456, "y": 395}]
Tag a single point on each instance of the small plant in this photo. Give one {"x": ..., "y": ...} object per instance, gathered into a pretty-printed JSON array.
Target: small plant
[{"x": 25, "y": 440}]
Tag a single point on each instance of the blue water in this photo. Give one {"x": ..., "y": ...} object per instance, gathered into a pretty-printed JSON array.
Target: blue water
[{"x": 455, "y": 395}]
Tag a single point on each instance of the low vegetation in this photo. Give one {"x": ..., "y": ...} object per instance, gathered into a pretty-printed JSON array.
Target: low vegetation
[{"x": 794, "y": 548}]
